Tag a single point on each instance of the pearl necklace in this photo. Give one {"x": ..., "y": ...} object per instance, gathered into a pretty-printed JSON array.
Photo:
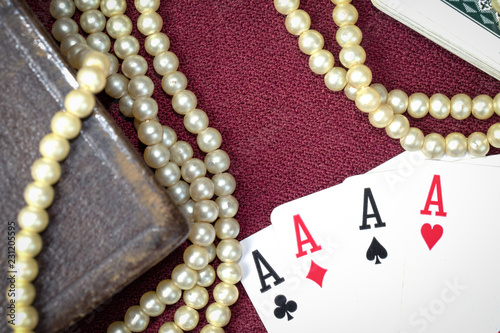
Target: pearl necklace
[
  {"x": 385, "y": 109},
  {"x": 172, "y": 160}
]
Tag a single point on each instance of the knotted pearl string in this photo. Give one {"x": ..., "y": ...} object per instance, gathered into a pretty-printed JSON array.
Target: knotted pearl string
[{"x": 385, "y": 109}]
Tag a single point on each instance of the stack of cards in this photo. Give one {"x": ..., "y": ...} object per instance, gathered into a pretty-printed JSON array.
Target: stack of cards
[
  {"x": 467, "y": 28},
  {"x": 409, "y": 247}
]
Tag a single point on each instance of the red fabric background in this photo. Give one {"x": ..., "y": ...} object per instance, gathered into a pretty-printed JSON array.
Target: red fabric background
[{"x": 286, "y": 133}]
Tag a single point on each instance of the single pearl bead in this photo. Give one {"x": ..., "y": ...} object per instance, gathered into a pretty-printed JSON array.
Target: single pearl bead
[
  {"x": 399, "y": 127},
  {"x": 456, "y": 144},
  {"x": 179, "y": 193},
  {"x": 173, "y": 83},
  {"x": 26, "y": 318},
  {"x": 439, "y": 106},
  {"x": 345, "y": 14},
  {"x": 150, "y": 132},
  {"x": 27, "y": 269},
  {"x": 116, "y": 85},
  {"x": 212, "y": 251},
  {"x": 398, "y": 100},
  {"x": 193, "y": 169},
  {"x": 118, "y": 327},
  {"x": 39, "y": 195},
  {"x": 151, "y": 304},
  {"x": 92, "y": 79},
  {"x": 349, "y": 35},
  {"x": 33, "y": 219},
  {"x": 54, "y": 146},
  {"x": 167, "y": 292},
  {"x": 165, "y": 63},
  {"x": 381, "y": 90},
  {"x": 100, "y": 42},
  {"x": 493, "y": 135},
  {"x": 168, "y": 175},
  {"x": 206, "y": 276},
  {"x": 227, "y": 228},
  {"x": 218, "y": 314},
  {"x": 228, "y": 206},
  {"x": 434, "y": 145},
  {"x": 134, "y": 65},
  {"x": 187, "y": 210},
  {"x": 418, "y": 105},
  {"x": 297, "y": 22},
  {"x": 209, "y": 140},
  {"x": 381, "y": 117},
  {"x": 61, "y": 8},
  {"x": 92, "y": 21},
  {"x": 125, "y": 104},
  {"x": 352, "y": 55},
  {"x": 186, "y": 318},
  {"x": 144, "y": 108},
  {"x": 229, "y": 272},
  {"x": 28, "y": 244},
  {"x": 140, "y": 86},
  {"x": 79, "y": 103},
  {"x": 126, "y": 46},
  {"x": 24, "y": 294},
  {"x": 70, "y": 40},
  {"x": 482, "y": 107},
  {"x": 63, "y": 27},
  {"x": 350, "y": 92},
  {"x": 113, "y": 7},
  {"x": 170, "y": 327},
  {"x": 217, "y": 161},
  {"x": 113, "y": 67},
  {"x": 205, "y": 211},
  {"x": 285, "y": 7},
  {"x": 119, "y": 26},
  {"x": 195, "y": 257},
  {"x": 496, "y": 5},
  {"x": 461, "y": 106},
  {"x": 478, "y": 144},
  {"x": 226, "y": 294},
  {"x": 181, "y": 152},
  {"x": 196, "y": 121},
  {"x": 224, "y": 184},
  {"x": 202, "y": 234},
  {"x": 311, "y": 42},
  {"x": 184, "y": 102},
  {"x": 169, "y": 136},
  {"x": 321, "y": 62},
  {"x": 157, "y": 43},
  {"x": 196, "y": 297},
  {"x": 336, "y": 79},
  {"x": 496, "y": 104},
  {"x": 156, "y": 156},
  {"x": 149, "y": 23},
  {"x": 84, "y": 5},
  {"x": 359, "y": 76},
  {"x": 135, "y": 319},
  {"x": 229, "y": 250},
  {"x": 368, "y": 99},
  {"x": 144, "y": 6},
  {"x": 211, "y": 329},
  {"x": 413, "y": 140},
  {"x": 184, "y": 277}
]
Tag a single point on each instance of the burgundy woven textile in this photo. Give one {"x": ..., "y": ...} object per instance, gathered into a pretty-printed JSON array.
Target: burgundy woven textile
[{"x": 286, "y": 133}]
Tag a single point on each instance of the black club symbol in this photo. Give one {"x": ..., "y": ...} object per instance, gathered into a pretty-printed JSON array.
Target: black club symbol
[{"x": 284, "y": 307}]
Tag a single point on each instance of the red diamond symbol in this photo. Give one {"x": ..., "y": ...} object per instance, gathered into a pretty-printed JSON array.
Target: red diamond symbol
[{"x": 316, "y": 273}]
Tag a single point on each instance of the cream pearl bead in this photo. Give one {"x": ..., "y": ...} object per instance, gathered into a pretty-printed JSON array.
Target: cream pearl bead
[
  {"x": 218, "y": 314},
  {"x": 125, "y": 105},
  {"x": 84, "y": 5},
  {"x": 226, "y": 294},
  {"x": 413, "y": 140},
  {"x": 144, "y": 6},
  {"x": 39, "y": 195},
  {"x": 33, "y": 219},
  {"x": 209, "y": 140},
  {"x": 181, "y": 152},
  {"x": 311, "y": 41},
  {"x": 169, "y": 136},
  {"x": 76, "y": 54},
  {"x": 398, "y": 100},
  {"x": 63, "y": 27},
  {"x": 285, "y": 7},
  {"x": 359, "y": 76},
  {"x": 54, "y": 146},
  {"x": 338, "y": 2},
  {"x": 149, "y": 23},
  {"x": 113, "y": 60},
  {"x": 92, "y": 21},
  {"x": 348, "y": 35},
  {"x": 174, "y": 83},
  {"x": 150, "y": 132},
  {"x": 321, "y": 62},
  {"x": 345, "y": 14},
  {"x": 224, "y": 184},
  {"x": 156, "y": 43},
  {"x": 202, "y": 234},
  {"x": 144, "y": 108},
  {"x": 217, "y": 161},
  {"x": 434, "y": 145},
  {"x": 197, "y": 297},
  {"x": 456, "y": 144},
  {"x": 118, "y": 327},
  {"x": 297, "y": 22},
  {"x": 496, "y": 104},
  {"x": 336, "y": 79},
  {"x": 350, "y": 92},
  {"x": 126, "y": 46},
  {"x": 26, "y": 268},
  {"x": 461, "y": 106},
  {"x": 368, "y": 99},
  {"x": 439, "y": 106},
  {"x": 116, "y": 85},
  {"x": 482, "y": 107},
  {"x": 228, "y": 206},
  {"x": 170, "y": 327},
  {"x": 229, "y": 272},
  {"x": 352, "y": 55},
  {"x": 99, "y": 41},
  {"x": 151, "y": 304},
  {"x": 156, "y": 156},
  {"x": 229, "y": 250},
  {"x": 184, "y": 277},
  {"x": 80, "y": 103},
  {"x": 195, "y": 121},
  {"x": 205, "y": 211},
  {"x": 212, "y": 251},
  {"x": 493, "y": 135},
  {"x": 186, "y": 318},
  {"x": 496, "y": 5},
  {"x": 398, "y": 128},
  {"x": 381, "y": 117},
  {"x": 26, "y": 318},
  {"x": 28, "y": 244},
  {"x": 165, "y": 63},
  {"x": 113, "y": 7},
  {"x": 418, "y": 105},
  {"x": 135, "y": 319},
  {"x": 211, "y": 329},
  {"x": 140, "y": 86},
  {"x": 206, "y": 276},
  {"x": 134, "y": 65},
  {"x": 478, "y": 144},
  {"x": 167, "y": 292},
  {"x": 92, "y": 79},
  {"x": 61, "y": 8},
  {"x": 179, "y": 193},
  {"x": 184, "y": 102},
  {"x": 227, "y": 228},
  {"x": 46, "y": 170},
  {"x": 195, "y": 257},
  {"x": 70, "y": 40},
  {"x": 119, "y": 26},
  {"x": 193, "y": 169},
  {"x": 168, "y": 175},
  {"x": 24, "y": 294},
  {"x": 381, "y": 90},
  {"x": 186, "y": 210}
]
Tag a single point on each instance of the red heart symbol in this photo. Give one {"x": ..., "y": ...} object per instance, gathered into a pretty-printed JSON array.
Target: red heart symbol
[{"x": 431, "y": 234}]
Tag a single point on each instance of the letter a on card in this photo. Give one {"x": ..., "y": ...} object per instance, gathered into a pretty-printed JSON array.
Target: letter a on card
[
  {"x": 435, "y": 187},
  {"x": 299, "y": 224}
]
